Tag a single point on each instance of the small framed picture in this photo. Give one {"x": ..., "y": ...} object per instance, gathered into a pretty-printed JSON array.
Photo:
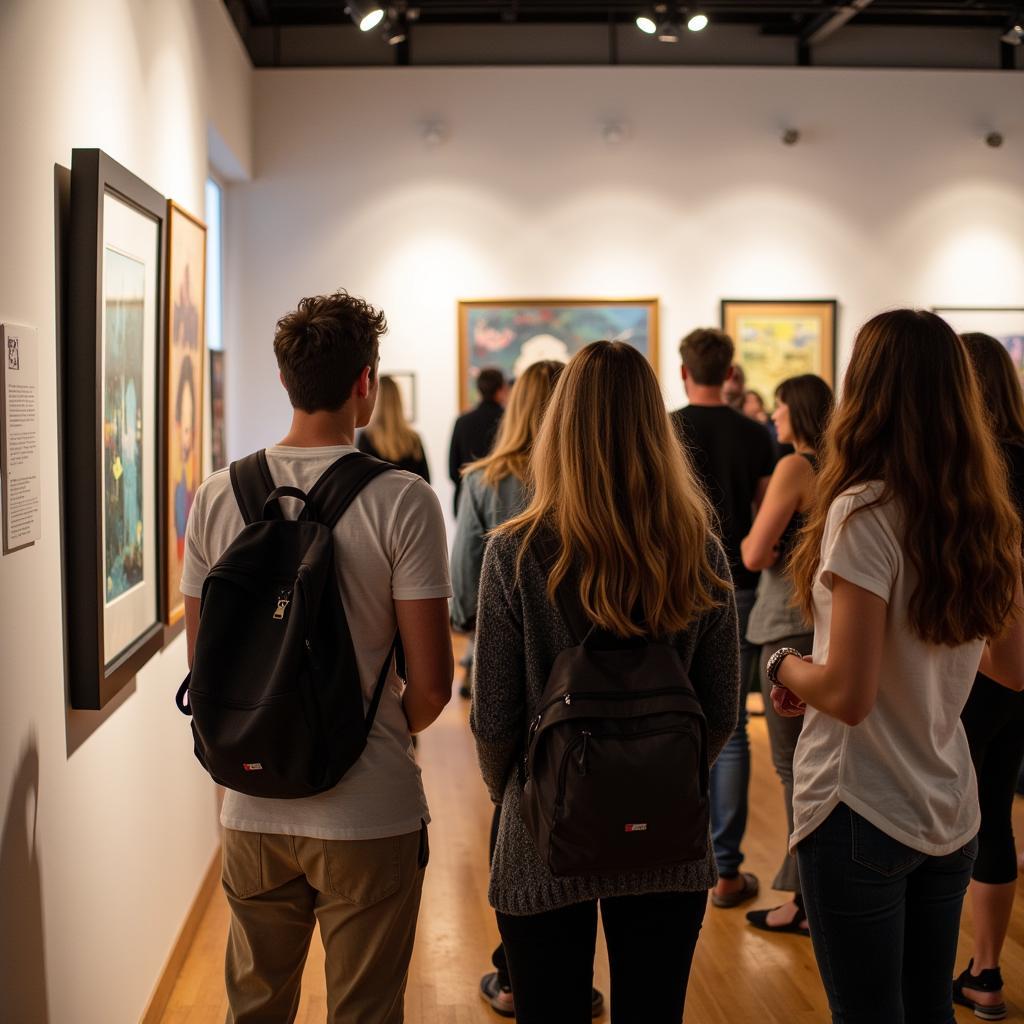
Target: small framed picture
[{"x": 406, "y": 382}]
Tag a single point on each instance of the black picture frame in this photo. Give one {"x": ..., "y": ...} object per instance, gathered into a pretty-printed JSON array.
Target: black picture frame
[{"x": 94, "y": 677}]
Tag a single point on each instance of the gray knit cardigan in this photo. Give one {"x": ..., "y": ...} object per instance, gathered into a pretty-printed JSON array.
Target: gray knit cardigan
[{"x": 519, "y": 634}]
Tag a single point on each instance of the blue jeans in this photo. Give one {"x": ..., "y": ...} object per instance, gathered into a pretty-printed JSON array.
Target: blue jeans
[
  {"x": 730, "y": 774},
  {"x": 884, "y": 921}
]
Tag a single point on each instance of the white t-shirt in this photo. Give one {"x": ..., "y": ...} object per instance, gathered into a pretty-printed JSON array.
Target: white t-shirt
[
  {"x": 390, "y": 546},
  {"x": 906, "y": 767}
]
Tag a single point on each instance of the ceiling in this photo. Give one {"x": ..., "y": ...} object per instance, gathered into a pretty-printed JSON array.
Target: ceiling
[{"x": 890, "y": 33}]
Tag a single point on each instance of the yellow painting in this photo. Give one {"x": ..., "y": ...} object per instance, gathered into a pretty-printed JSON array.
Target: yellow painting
[{"x": 778, "y": 340}]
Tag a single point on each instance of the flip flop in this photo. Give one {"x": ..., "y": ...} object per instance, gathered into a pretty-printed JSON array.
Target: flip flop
[
  {"x": 734, "y": 899},
  {"x": 759, "y": 919}
]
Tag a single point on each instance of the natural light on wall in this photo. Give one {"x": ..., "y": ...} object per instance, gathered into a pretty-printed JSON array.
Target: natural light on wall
[{"x": 214, "y": 256}]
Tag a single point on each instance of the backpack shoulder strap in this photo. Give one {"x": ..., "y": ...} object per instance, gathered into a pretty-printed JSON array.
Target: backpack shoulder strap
[
  {"x": 567, "y": 596},
  {"x": 252, "y": 483},
  {"x": 340, "y": 484}
]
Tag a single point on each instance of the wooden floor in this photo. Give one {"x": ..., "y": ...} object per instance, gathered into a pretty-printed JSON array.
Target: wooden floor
[{"x": 740, "y": 976}]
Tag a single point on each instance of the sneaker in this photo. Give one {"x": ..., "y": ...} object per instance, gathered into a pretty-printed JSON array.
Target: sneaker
[
  {"x": 500, "y": 999},
  {"x": 502, "y": 1003}
]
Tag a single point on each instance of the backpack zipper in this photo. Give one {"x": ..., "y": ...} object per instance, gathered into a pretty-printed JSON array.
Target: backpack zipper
[{"x": 284, "y": 598}]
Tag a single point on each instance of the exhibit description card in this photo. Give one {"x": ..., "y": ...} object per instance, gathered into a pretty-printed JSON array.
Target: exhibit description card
[{"x": 20, "y": 427}]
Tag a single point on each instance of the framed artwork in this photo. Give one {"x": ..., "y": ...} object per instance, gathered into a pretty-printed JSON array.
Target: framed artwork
[
  {"x": 776, "y": 339},
  {"x": 218, "y": 439},
  {"x": 114, "y": 408},
  {"x": 186, "y": 362},
  {"x": 1006, "y": 324},
  {"x": 407, "y": 389},
  {"x": 510, "y": 334}
]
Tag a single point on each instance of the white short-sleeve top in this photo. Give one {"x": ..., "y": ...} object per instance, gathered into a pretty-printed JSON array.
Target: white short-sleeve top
[
  {"x": 389, "y": 546},
  {"x": 906, "y": 767}
]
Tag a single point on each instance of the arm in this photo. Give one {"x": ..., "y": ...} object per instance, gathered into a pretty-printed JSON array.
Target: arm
[
  {"x": 781, "y": 501},
  {"x": 764, "y": 463},
  {"x": 497, "y": 716},
  {"x": 1003, "y": 658},
  {"x": 846, "y": 686},
  {"x": 429, "y": 666},
  {"x": 715, "y": 666},
  {"x": 467, "y": 558},
  {"x": 455, "y": 454}
]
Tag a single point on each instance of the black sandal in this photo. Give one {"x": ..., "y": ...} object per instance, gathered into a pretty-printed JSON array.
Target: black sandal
[
  {"x": 759, "y": 919},
  {"x": 990, "y": 980}
]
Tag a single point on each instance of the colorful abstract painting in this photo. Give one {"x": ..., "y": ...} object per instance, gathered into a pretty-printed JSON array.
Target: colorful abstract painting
[
  {"x": 512, "y": 334},
  {"x": 186, "y": 362},
  {"x": 123, "y": 462}
]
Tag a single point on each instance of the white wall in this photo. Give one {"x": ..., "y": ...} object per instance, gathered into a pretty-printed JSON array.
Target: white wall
[
  {"x": 891, "y": 198},
  {"x": 108, "y": 823}
]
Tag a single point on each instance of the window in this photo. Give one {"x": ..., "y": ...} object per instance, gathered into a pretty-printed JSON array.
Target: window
[{"x": 214, "y": 265}]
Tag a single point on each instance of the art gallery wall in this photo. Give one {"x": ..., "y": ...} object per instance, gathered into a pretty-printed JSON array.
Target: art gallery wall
[
  {"x": 890, "y": 197},
  {"x": 108, "y": 824}
]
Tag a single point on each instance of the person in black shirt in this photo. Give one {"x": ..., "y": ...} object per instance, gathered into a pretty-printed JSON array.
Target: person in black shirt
[
  {"x": 474, "y": 431},
  {"x": 734, "y": 456}
]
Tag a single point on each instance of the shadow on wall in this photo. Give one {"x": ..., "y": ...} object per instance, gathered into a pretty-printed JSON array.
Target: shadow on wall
[{"x": 22, "y": 951}]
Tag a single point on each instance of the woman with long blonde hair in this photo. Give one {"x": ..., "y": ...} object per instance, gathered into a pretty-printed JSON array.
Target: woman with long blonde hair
[
  {"x": 494, "y": 489},
  {"x": 389, "y": 436},
  {"x": 910, "y": 567},
  {"x": 615, "y": 500}
]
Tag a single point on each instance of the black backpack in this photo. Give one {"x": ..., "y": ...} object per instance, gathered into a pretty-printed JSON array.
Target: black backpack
[
  {"x": 616, "y": 764},
  {"x": 274, "y": 693}
]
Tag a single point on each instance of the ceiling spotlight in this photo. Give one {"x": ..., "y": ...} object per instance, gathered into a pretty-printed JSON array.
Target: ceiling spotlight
[
  {"x": 396, "y": 31},
  {"x": 697, "y": 22},
  {"x": 1015, "y": 36},
  {"x": 646, "y": 23},
  {"x": 365, "y": 15},
  {"x": 669, "y": 31}
]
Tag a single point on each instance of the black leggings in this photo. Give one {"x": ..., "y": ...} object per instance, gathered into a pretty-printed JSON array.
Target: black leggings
[
  {"x": 650, "y": 939},
  {"x": 994, "y": 721}
]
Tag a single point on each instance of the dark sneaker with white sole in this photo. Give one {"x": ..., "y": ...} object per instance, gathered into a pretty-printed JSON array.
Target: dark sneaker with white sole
[{"x": 501, "y": 1001}]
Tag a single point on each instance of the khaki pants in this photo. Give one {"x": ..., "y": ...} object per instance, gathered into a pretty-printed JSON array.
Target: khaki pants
[{"x": 364, "y": 893}]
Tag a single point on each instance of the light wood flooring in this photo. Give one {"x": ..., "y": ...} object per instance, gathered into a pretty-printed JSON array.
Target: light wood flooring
[{"x": 739, "y": 976}]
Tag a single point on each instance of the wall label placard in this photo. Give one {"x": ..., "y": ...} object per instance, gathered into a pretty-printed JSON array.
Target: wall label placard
[{"x": 19, "y": 425}]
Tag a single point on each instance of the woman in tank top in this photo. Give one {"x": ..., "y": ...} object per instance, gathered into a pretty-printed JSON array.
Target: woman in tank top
[
  {"x": 802, "y": 408},
  {"x": 910, "y": 564},
  {"x": 994, "y": 720}
]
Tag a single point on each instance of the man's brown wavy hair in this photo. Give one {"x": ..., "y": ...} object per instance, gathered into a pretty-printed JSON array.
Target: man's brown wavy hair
[{"x": 912, "y": 417}]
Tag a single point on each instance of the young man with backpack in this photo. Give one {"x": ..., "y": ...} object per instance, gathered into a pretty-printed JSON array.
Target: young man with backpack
[{"x": 352, "y": 855}]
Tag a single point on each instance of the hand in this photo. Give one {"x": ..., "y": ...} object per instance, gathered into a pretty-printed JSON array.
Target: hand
[{"x": 786, "y": 703}]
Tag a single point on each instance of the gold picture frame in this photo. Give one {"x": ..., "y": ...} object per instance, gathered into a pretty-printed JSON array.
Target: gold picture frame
[
  {"x": 185, "y": 309},
  {"x": 511, "y": 333},
  {"x": 780, "y": 338}
]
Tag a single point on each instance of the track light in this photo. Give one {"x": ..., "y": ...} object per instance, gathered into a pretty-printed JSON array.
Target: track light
[
  {"x": 1015, "y": 36},
  {"x": 366, "y": 16},
  {"x": 666, "y": 21}
]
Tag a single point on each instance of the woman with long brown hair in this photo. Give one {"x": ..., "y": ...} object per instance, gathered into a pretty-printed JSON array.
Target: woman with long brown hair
[
  {"x": 994, "y": 720},
  {"x": 802, "y": 407},
  {"x": 910, "y": 567},
  {"x": 617, "y": 522},
  {"x": 389, "y": 436}
]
